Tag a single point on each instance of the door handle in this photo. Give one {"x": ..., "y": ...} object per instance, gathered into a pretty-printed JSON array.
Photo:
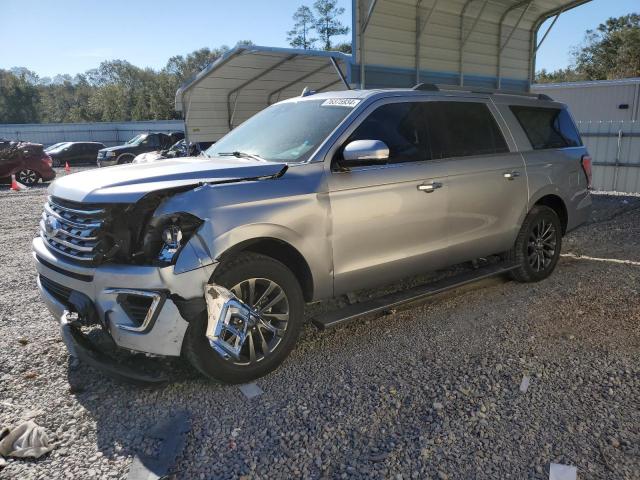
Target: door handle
[
  {"x": 429, "y": 187},
  {"x": 511, "y": 175}
]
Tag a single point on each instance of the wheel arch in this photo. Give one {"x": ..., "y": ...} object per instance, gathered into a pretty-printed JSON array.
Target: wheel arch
[
  {"x": 281, "y": 251},
  {"x": 124, "y": 155},
  {"x": 558, "y": 205}
]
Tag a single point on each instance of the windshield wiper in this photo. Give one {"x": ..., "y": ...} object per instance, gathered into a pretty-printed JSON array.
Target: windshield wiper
[{"x": 241, "y": 155}]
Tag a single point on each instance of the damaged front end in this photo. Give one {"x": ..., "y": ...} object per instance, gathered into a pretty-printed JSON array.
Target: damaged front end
[{"x": 133, "y": 270}]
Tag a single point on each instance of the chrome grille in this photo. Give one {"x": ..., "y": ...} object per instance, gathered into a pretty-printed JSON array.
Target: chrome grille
[{"x": 72, "y": 229}]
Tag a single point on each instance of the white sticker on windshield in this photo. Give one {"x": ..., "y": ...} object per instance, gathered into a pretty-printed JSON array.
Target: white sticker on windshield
[{"x": 341, "y": 102}]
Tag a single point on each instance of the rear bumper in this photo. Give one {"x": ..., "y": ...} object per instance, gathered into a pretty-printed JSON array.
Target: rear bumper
[{"x": 103, "y": 286}]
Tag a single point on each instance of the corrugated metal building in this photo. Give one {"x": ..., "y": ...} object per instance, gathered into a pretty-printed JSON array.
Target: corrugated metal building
[
  {"x": 616, "y": 100},
  {"x": 482, "y": 43}
]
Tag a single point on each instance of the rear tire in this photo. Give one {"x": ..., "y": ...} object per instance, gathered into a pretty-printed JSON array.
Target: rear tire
[
  {"x": 233, "y": 274},
  {"x": 538, "y": 245},
  {"x": 27, "y": 177}
]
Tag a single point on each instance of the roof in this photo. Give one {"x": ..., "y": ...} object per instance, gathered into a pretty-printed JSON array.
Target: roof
[
  {"x": 484, "y": 43},
  {"x": 249, "y": 78}
]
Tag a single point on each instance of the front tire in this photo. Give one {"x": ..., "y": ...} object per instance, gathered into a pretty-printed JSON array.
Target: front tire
[
  {"x": 124, "y": 159},
  {"x": 269, "y": 287},
  {"x": 538, "y": 245}
]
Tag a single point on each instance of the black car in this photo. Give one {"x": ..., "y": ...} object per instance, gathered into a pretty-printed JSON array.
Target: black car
[
  {"x": 144, "y": 142},
  {"x": 74, "y": 153}
]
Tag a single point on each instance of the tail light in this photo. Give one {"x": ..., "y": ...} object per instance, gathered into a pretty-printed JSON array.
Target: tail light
[
  {"x": 586, "y": 166},
  {"x": 47, "y": 159}
]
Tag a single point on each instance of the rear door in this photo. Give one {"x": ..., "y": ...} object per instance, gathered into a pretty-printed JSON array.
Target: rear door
[
  {"x": 75, "y": 153},
  {"x": 386, "y": 221},
  {"x": 487, "y": 178}
]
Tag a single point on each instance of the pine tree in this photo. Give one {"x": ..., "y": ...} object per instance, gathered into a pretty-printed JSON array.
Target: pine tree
[
  {"x": 300, "y": 35},
  {"x": 328, "y": 24}
]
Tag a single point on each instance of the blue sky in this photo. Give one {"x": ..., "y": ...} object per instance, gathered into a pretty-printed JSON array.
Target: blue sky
[{"x": 72, "y": 36}]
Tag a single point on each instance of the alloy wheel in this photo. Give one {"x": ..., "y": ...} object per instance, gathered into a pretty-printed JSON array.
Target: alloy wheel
[
  {"x": 27, "y": 177},
  {"x": 265, "y": 333},
  {"x": 541, "y": 247}
]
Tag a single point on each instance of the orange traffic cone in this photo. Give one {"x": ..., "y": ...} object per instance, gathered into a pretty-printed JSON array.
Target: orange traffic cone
[
  {"x": 15, "y": 185},
  {"x": 67, "y": 168}
]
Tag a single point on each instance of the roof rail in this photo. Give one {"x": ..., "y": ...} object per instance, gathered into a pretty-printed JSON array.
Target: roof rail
[{"x": 432, "y": 87}]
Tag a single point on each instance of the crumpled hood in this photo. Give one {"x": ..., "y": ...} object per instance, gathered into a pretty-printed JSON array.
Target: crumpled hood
[{"x": 129, "y": 183}]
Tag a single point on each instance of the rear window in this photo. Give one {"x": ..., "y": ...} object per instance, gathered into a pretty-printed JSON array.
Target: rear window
[
  {"x": 460, "y": 129},
  {"x": 547, "y": 127}
]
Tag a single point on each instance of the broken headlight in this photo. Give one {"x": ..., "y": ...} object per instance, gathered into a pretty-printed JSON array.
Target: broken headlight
[{"x": 166, "y": 236}]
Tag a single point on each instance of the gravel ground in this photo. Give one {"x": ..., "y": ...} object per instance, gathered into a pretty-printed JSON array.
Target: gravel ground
[{"x": 427, "y": 392}]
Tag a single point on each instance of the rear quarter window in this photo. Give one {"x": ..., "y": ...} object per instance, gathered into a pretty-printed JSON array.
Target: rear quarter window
[{"x": 547, "y": 128}]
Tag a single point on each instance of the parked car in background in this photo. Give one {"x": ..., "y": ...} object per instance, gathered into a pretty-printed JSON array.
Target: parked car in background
[
  {"x": 54, "y": 146},
  {"x": 312, "y": 198},
  {"x": 75, "y": 153},
  {"x": 178, "y": 149},
  {"x": 27, "y": 161},
  {"x": 144, "y": 142}
]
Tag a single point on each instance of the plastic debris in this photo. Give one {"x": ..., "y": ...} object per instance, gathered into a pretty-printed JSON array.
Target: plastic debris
[
  {"x": 27, "y": 440},
  {"x": 524, "y": 384},
  {"x": 558, "y": 471},
  {"x": 251, "y": 390}
]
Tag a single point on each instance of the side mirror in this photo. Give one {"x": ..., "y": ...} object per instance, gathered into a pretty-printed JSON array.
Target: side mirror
[{"x": 360, "y": 152}]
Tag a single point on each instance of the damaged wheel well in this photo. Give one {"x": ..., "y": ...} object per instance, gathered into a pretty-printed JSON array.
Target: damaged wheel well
[{"x": 285, "y": 254}]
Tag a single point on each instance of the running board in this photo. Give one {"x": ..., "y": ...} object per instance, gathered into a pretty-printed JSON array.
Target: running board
[{"x": 396, "y": 299}]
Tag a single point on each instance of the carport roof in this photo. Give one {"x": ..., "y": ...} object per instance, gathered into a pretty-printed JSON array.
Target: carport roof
[
  {"x": 249, "y": 78},
  {"x": 477, "y": 42}
]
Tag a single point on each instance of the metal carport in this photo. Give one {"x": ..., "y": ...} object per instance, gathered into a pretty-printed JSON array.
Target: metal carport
[
  {"x": 249, "y": 78},
  {"x": 482, "y": 43}
]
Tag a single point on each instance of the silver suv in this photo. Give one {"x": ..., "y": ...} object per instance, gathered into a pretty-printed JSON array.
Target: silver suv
[{"x": 214, "y": 257}]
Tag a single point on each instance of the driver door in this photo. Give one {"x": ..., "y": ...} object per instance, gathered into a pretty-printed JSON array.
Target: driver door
[{"x": 388, "y": 221}]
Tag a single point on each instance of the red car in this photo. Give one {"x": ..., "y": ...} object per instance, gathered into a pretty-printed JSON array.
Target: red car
[{"x": 27, "y": 161}]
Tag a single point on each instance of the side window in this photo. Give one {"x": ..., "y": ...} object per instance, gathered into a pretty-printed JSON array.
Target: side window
[
  {"x": 547, "y": 127},
  {"x": 460, "y": 129},
  {"x": 401, "y": 126}
]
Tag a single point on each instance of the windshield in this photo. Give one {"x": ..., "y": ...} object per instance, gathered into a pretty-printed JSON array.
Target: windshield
[
  {"x": 286, "y": 132},
  {"x": 137, "y": 139},
  {"x": 56, "y": 146}
]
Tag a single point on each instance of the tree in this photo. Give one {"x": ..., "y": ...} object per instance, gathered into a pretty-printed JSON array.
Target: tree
[
  {"x": 18, "y": 98},
  {"x": 300, "y": 35},
  {"x": 612, "y": 50},
  {"x": 344, "y": 47},
  {"x": 558, "y": 76},
  {"x": 328, "y": 24},
  {"x": 609, "y": 52},
  {"x": 114, "y": 91}
]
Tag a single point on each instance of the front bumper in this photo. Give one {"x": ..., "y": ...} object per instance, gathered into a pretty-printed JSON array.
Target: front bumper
[
  {"x": 107, "y": 161},
  {"x": 163, "y": 335},
  {"x": 80, "y": 347}
]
